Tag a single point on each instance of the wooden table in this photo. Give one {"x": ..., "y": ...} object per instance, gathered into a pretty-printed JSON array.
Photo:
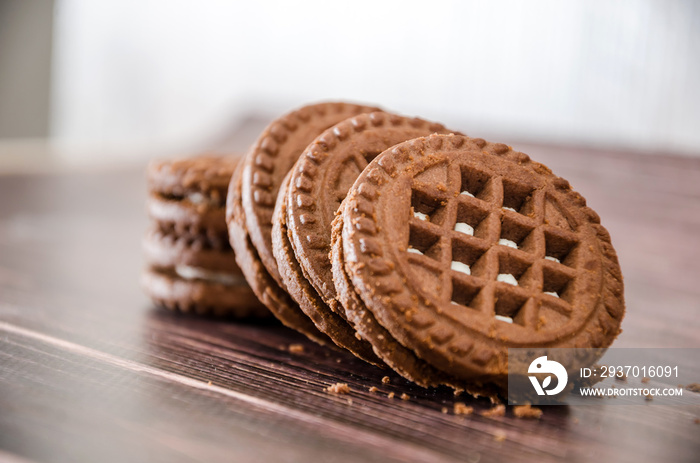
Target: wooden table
[{"x": 90, "y": 371}]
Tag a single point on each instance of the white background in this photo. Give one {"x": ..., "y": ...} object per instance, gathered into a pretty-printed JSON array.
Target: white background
[{"x": 170, "y": 75}]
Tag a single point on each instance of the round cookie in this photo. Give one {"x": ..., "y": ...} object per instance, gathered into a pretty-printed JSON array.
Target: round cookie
[
  {"x": 163, "y": 249},
  {"x": 461, "y": 249},
  {"x": 184, "y": 217},
  {"x": 262, "y": 284},
  {"x": 301, "y": 291},
  {"x": 187, "y": 195},
  {"x": 322, "y": 177},
  {"x": 206, "y": 174},
  {"x": 195, "y": 295},
  {"x": 270, "y": 158}
]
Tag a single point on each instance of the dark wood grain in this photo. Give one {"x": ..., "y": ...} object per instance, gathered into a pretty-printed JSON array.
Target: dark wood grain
[{"x": 90, "y": 371}]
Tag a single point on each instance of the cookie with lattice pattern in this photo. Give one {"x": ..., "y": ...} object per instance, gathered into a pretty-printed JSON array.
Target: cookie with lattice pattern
[
  {"x": 461, "y": 249},
  {"x": 401, "y": 359}
]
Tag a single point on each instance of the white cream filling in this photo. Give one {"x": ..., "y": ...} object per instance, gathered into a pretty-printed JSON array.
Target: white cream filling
[
  {"x": 199, "y": 198},
  {"x": 464, "y": 228},
  {"x": 420, "y": 215},
  {"x": 509, "y": 209},
  {"x": 551, "y": 293},
  {"x": 553, "y": 259},
  {"x": 507, "y": 278},
  {"x": 509, "y": 243},
  {"x": 196, "y": 273},
  {"x": 503, "y": 319},
  {"x": 196, "y": 198},
  {"x": 461, "y": 267},
  {"x": 466, "y": 193},
  {"x": 414, "y": 251}
]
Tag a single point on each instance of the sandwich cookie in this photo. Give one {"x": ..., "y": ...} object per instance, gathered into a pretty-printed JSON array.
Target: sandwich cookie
[
  {"x": 327, "y": 322},
  {"x": 461, "y": 249},
  {"x": 187, "y": 196}
]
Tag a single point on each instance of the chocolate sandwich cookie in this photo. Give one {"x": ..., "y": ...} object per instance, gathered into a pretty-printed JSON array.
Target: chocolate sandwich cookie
[
  {"x": 318, "y": 183},
  {"x": 190, "y": 268},
  {"x": 187, "y": 196},
  {"x": 461, "y": 249},
  {"x": 263, "y": 285},
  {"x": 251, "y": 201},
  {"x": 202, "y": 292},
  {"x": 301, "y": 291}
]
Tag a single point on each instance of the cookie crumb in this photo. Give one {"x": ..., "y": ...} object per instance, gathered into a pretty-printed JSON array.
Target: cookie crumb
[
  {"x": 693, "y": 387},
  {"x": 373, "y": 389},
  {"x": 458, "y": 392},
  {"x": 338, "y": 388},
  {"x": 498, "y": 410},
  {"x": 499, "y": 436},
  {"x": 390, "y": 395},
  {"x": 527, "y": 412},
  {"x": 296, "y": 348},
  {"x": 576, "y": 421},
  {"x": 405, "y": 396},
  {"x": 386, "y": 380},
  {"x": 645, "y": 380},
  {"x": 349, "y": 401},
  {"x": 648, "y": 397},
  {"x": 444, "y": 410},
  {"x": 461, "y": 408},
  {"x": 209, "y": 383},
  {"x": 621, "y": 377},
  {"x": 357, "y": 336},
  {"x": 696, "y": 420}
]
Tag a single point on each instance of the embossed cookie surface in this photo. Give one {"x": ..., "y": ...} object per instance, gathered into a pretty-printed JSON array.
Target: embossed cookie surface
[
  {"x": 328, "y": 322},
  {"x": 461, "y": 249},
  {"x": 401, "y": 359},
  {"x": 263, "y": 285},
  {"x": 269, "y": 160},
  {"x": 322, "y": 177}
]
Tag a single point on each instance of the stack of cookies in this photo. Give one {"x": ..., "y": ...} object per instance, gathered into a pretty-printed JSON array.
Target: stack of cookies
[
  {"x": 415, "y": 247},
  {"x": 190, "y": 264}
]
